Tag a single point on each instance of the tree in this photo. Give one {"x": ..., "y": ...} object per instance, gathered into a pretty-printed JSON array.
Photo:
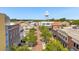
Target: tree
[
  {"x": 20, "y": 48},
  {"x": 32, "y": 30},
  {"x": 75, "y": 22},
  {"x": 46, "y": 34},
  {"x": 62, "y": 19},
  {"x": 13, "y": 48},
  {"x": 55, "y": 45},
  {"x": 51, "y": 19},
  {"x": 31, "y": 38}
]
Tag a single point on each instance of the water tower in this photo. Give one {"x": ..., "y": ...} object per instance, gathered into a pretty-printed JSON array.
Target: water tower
[{"x": 46, "y": 15}]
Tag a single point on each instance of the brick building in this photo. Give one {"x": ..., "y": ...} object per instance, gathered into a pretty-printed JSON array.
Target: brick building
[
  {"x": 69, "y": 37},
  {"x": 56, "y": 25}
]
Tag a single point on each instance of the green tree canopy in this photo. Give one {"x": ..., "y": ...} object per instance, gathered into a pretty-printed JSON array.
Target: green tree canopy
[
  {"x": 62, "y": 19},
  {"x": 55, "y": 45},
  {"x": 20, "y": 48},
  {"x": 46, "y": 34},
  {"x": 75, "y": 22},
  {"x": 31, "y": 38}
]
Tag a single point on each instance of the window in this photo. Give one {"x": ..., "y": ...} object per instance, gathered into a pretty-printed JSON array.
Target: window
[
  {"x": 76, "y": 45},
  {"x": 48, "y": 24},
  {"x": 22, "y": 30},
  {"x": 65, "y": 38}
]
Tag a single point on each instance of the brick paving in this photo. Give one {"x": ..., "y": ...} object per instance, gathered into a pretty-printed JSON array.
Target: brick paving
[{"x": 38, "y": 47}]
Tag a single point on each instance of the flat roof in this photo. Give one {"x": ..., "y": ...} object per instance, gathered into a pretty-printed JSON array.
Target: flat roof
[
  {"x": 57, "y": 23},
  {"x": 46, "y": 22},
  {"x": 74, "y": 33}
]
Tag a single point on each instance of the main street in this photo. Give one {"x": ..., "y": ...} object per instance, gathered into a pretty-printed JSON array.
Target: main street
[{"x": 37, "y": 47}]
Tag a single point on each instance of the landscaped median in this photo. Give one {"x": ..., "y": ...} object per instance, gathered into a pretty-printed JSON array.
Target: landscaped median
[
  {"x": 49, "y": 43},
  {"x": 45, "y": 34},
  {"x": 55, "y": 45}
]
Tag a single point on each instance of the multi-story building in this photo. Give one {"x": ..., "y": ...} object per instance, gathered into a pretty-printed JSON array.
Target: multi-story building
[
  {"x": 14, "y": 34},
  {"x": 21, "y": 29},
  {"x": 4, "y": 41},
  {"x": 69, "y": 37},
  {"x": 9, "y": 33}
]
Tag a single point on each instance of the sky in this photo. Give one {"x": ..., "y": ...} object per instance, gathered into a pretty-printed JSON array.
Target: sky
[{"x": 39, "y": 12}]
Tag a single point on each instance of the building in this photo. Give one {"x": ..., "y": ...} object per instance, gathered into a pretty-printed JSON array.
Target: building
[
  {"x": 65, "y": 23},
  {"x": 69, "y": 37},
  {"x": 44, "y": 23},
  {"x": 4, "y": 41},
  {"x": 56, "y": 25},
  {"x": 14, "y": 34},
  {"x": 23, "y": 29}
]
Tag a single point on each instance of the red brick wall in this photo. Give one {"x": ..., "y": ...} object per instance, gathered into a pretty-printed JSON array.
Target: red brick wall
[
  {"x": 70, "y": 42},
  {"x": 55, "y": 27}
]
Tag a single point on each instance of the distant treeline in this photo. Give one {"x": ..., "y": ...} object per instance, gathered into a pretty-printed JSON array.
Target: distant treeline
[
  {"x": 72, "y": 21},
  {"x": 75, "y": 22},
  {"x": 61, "y": 19}
]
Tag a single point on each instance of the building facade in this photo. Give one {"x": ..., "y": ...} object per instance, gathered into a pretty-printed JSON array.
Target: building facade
[
  {"x": 69, "y": 37},
  {"x": 56, "y": 25},
  {"x": 47, "y": 24},
  {"x": 9, "y": 33},
  {"x": 4, "y": 41},
  {"x": 14, "y": 34}
]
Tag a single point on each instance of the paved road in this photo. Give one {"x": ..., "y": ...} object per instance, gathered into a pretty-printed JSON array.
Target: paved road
[{"x": 38, "y": 47}]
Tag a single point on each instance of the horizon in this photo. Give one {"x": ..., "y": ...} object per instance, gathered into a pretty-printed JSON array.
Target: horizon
[{"x": 39, "y": 12}]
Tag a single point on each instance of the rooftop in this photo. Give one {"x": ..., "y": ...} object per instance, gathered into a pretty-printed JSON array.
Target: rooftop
[
  {"x": 11, "y": 23},
  {"x": 74, "y": 33},
  {"x": 57, "y": 23}
]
